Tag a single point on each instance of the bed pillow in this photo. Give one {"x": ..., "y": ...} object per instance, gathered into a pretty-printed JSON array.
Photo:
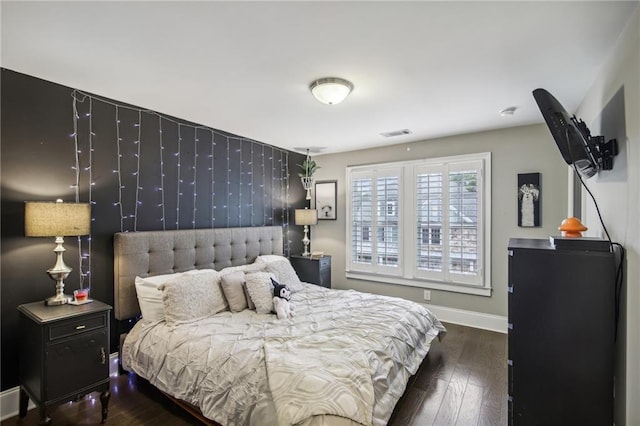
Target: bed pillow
[
  {"x": 248, "y": 268},
  {"x": 261, "y": 291},
  {"x": 192, "y": 297},
  {"x": 285, "y": 274},
  {"x": 268, "y": 258},
  {"x": 233, "y": 289},
  {"x": 247, "y": 296},
  {"x": 150, "y": 298}
]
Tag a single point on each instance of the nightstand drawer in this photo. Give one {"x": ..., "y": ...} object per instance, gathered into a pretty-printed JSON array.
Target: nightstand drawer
[{"x": 76, "y": 326}]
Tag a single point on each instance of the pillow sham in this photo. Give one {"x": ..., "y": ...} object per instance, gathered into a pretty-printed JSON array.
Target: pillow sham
[
  {"x": 247, "y": 296},
  {"x": 248, "y": 268},
  {"x": 150, "y": 298},
  {"x": 285, "y": 274},
  {"x": 233, "y": 289},
  {"x": 261, "y": 291},
  {"x": 268, "y": 258},
  {"x": 192, "y": 297}
]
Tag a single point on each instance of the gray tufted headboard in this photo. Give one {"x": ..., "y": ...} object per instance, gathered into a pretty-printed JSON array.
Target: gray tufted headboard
[{"x": 164, "y": 252}]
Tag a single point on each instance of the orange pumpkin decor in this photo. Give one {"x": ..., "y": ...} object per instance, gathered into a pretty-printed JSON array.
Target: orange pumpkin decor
[{"x": 572, "y": 227}]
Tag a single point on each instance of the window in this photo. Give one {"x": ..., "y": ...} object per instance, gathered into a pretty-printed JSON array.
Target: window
[
  {"x": 391, "y": 208},
  {"x": 430, "y": 219},
  {"x": 366, "y": 233},
  {"x": 374, "y": 202},
  {"x": 430, "y": 235}
]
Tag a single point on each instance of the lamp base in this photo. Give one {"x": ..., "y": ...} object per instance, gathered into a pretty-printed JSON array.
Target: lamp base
[
  {"x": 306, "y": 241},
  {"x": 58, "y": 299},
  {"x": 59, "y": 273}
]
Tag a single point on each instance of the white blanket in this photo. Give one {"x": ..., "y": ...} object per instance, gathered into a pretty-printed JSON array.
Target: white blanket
[
  {"x": 227, "y": 364},
  {"x": 310, "y": 376}
]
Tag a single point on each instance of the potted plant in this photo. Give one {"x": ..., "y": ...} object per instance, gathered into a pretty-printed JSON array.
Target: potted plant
[{"x": 308, "y": 167}]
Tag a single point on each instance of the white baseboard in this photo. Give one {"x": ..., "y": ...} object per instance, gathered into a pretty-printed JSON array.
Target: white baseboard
[
  {"x": 9, "y": 399},
  {"x": 470, "y": 318}
]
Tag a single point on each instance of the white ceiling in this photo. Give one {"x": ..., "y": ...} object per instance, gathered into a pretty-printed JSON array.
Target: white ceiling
[{"x": 436, "y": 68}]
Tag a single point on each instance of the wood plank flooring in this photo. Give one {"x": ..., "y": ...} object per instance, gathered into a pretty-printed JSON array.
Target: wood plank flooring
[{"x": 462, "y": 382}]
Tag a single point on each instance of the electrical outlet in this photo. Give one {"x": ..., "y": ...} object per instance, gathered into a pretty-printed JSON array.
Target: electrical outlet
[{"x": 427, "y": 295}]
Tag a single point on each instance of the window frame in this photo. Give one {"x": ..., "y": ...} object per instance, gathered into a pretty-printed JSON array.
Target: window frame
[{"x": 406, "y": 273}]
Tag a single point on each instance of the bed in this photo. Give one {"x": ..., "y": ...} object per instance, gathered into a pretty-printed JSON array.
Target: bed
[{"x": 343, "y": 359}]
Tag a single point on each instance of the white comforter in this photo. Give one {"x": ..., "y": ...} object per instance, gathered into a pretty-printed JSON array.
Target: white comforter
[{"x": 248, "y": 369}]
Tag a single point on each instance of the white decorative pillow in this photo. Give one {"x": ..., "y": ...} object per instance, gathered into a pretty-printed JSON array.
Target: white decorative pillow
[
  {"x": 247, "y": 296},
  {"x": 233, "y": 288},
  {"x": 261, "y": 291},
  {"x": 150, "y": 298},
  {"x": 285, "y": 274},
  {"x": 268, "y": 258},
  {"x": 192, "y": 297}
]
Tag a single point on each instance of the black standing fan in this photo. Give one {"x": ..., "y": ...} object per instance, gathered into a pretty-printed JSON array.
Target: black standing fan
[{"x": 589, "y": 154}]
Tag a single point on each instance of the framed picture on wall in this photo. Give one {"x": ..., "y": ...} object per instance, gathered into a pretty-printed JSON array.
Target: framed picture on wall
[
  {"x": 325, "y": 192},
  {"x": 529, "y": 199}
]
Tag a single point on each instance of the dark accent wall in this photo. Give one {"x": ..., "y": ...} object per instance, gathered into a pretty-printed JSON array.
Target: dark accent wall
[{"x": 136, "y": 178}]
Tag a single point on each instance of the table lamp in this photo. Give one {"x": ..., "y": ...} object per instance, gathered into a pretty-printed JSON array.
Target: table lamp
[
  {"x": 59, "y": 219},
  {"x": 572, "y": 227},
  {"x": 306, "y": 217}
]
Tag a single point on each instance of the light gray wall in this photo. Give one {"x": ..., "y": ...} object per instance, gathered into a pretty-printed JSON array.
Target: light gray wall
[
  {"x": 612, "y": 108},
  {"x": 514, "y": 150}
]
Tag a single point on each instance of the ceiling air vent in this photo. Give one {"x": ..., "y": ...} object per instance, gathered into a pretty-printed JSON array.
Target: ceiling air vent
[{"x": 396, "y": 133}]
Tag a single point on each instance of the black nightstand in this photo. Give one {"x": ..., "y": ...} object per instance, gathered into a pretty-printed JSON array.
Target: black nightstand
[
  {"x": 64, "y": 354},
  {"x": 314, "y": 271}
]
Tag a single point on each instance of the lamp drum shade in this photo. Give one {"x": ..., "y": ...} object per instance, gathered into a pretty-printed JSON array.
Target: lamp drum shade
[
  {"x": 306, "y": 217},
  {"x": 56, "y": 219}
]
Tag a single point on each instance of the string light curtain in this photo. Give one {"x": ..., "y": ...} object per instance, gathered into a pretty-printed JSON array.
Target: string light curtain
[{"x": 162, "y": 173}]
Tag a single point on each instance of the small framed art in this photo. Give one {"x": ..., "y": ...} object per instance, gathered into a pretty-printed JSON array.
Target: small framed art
[
  {"x": 529, "y": 196},
  {"x": 325, "y": 192}
]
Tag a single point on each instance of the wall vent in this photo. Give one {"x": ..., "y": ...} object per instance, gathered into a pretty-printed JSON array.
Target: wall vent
[{"x": 396, "y": 133}]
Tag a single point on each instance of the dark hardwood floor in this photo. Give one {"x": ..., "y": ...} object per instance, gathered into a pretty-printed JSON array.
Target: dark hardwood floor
[{"x": 462, "y": 382}]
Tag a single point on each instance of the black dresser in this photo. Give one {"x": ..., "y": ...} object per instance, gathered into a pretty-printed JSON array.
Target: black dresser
[
  {"x": 314, "y": 271},
  {"x": 561, "y": 333},
  {"x": 64, "y": 354}
]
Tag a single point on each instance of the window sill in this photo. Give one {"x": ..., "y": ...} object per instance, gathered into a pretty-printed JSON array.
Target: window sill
[{"x": 387, "y": 279}]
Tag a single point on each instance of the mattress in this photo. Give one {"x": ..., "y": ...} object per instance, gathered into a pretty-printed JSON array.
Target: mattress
[{"x": 343, "y": 359}]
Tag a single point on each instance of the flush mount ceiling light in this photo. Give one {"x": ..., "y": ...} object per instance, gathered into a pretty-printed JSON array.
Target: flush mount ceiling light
[{"x": 331, "y": 90}]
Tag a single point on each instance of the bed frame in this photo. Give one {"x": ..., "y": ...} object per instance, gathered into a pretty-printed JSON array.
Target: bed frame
[{"x": 163, "y": 252}]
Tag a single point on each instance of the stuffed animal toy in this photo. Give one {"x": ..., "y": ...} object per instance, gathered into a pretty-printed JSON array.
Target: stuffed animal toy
[{"x": 281, "y": 300}]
